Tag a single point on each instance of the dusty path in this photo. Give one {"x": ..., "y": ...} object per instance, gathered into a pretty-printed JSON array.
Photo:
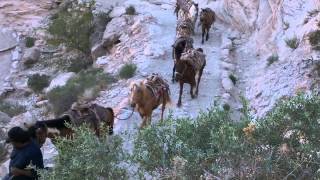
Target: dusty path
[{"x": 162, "y": 35}]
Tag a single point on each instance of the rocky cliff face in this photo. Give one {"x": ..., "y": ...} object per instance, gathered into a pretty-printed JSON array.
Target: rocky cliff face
[{"x": 264, "y": 26}]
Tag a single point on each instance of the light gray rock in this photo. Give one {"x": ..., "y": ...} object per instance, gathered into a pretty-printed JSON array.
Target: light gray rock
[
  {"x": 31, "y": 56},
  {"x": 228, "y": 66},
  {"x": 4, "y": 118},
  {"x": 227, "y": 84},
  {"x": 14, "y": 55},
  {"x": 60, "y": 80},
  {"x": 98, "y": 50},
  {"x": 7, "y": 40}
]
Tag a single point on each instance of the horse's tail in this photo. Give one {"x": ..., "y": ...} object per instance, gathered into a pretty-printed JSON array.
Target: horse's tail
[{"x": 167, "y": 99}]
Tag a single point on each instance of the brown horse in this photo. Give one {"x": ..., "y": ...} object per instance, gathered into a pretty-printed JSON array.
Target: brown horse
[
  {"x": 93, "y": 115},
  {"x": 207, "y": 18},
  {"x": 180, "y": 45},
  {"x": 190, "y": 65},
  {"x": 147, "y": 95}
]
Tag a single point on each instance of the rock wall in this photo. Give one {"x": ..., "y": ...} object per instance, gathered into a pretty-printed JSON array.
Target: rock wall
[{"x": 264, "y": 26}]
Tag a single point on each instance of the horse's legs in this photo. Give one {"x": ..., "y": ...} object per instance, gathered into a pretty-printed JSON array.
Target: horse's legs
[
  {"x": 203, "y": 31},
  {"x": 199, "y": 78},
  {"x": 207, "y": 31},
  {"x": 163, "y": 106},
  {"x": 144, "y": 121},
  {"x": 180, "y": 94},
  {"x": 192, "y": 86},
  {"x": 174, "y": 69}
]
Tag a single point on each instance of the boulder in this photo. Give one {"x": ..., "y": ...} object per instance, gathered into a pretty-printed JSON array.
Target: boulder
[
  {"x": 4, "y": 118},
  {"x": 227, "y": 84},
  {"x": 60, "y": 80},
  {"x": 98, "y": 50},
  {"x": 31, "y": 56}
]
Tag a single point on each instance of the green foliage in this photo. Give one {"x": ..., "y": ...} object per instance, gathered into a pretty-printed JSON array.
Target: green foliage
[
  {"x": 73, "y": 26},
  {"x": 233, "y": 79},
  {"x": 127, "y": 71},
  {"x": 314, "y": 39},
  {"x": 212, "y": 136},
  {"x": 273, "y": 58},
  {"x": 130, "y": 10},
  {"x": 87, "y": 157},
  {"x": 78, "y": 65},
  {"x": 283, "y": 145},
  {"x": 12, "y": 109},
  {"x": 30, "y": 41},
  {"x": 62, "y": 98},
  {"x": 293, "y": 43},
  {"x": 38, "y": 82}
]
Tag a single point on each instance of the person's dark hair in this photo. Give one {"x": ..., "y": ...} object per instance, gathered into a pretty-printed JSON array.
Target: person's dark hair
[{"x": 17, "y": 134}]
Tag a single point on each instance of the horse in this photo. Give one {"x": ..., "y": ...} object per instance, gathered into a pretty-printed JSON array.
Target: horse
[
  {"x": 184, "y": 28},
  {"x": 187, "y": 9},
  {"x": 147, "y": 95},
  {"x": 207, "y": 19},
  {"x": 190, "y": 65},
  {"x": 92, "y": 114},
  {"x": 180, "y": 45}
]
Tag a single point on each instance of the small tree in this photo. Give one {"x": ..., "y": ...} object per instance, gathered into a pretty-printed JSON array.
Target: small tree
[
  {"x": 88, "y": 157},
  {"x": 127, "y": 71},
  {"x": 38, "y": 82}
]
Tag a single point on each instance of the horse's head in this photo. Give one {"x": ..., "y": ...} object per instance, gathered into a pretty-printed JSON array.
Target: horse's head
[
  {"x": 203, "y": 14},
  {"x": 183, "y": 69},
  {"x": 38, "y": 132},
  {"x": 136, "y": 94}
]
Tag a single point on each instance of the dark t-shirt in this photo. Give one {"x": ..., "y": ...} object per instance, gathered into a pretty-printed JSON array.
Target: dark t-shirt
[{"x": 21, "y": 158}]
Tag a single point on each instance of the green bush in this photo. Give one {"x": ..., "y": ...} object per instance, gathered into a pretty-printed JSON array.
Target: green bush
[
  {"x": 61, "y": 98},
  {"x": 273, "y": 58},
  {"x": 293, "y": 43},
  {"x": 127, "y": 71},
  {"x": 72, "y": 26},
  {"x": 38, "y": 82},
  {"x": 12, "y": 109},
  {"x": 233, "y": 79},
  {"x": 30, "y": 42},
  {"x": 314, "y": 39},
  {"x": 78, "y": 65},
  {"x": 214, "y": 144},
  {"x": 130, "y": 10},
  {"x": 87, "y": 157}
]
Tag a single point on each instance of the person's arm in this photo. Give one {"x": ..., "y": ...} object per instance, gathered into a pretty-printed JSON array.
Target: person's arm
[{"x": 21, "y": 172}]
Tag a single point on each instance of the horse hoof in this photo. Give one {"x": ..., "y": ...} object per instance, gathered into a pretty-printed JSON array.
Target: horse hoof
[
  {"x": 193, "y": 96},
  {"x": 179, "y": 104}
]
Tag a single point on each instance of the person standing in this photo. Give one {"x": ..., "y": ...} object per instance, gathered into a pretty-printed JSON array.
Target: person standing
[{"x": 26, "y": 156}]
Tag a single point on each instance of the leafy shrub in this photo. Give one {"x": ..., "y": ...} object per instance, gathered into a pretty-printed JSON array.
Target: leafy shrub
[
  {"x": 72, "y": 26},
  {"x": 127, "y": 71},
  {"x": 273, "y": 58},
  {"x": 314, "y": 39},
  {"x": 283, "y": 145},
  {"x": 290, "y": 133},
  {"x": 38, "y": 82},
  {"x": 78, "y": 65},
  {"x": 233, "y": 79},
  {"x": 87, "y": 157},
  {"x": 201, "y": 143},
  {"x": 12, "y": 109},
  {"x": 130, "y": 10},
  {"x": 293, "y": 43},
  {"x": 30, "y": 42},
  {"x": 62, "y": 98}
]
